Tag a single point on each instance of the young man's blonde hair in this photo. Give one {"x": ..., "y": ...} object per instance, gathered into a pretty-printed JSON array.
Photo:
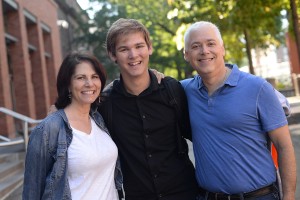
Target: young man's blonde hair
[{"x": 123, "y": 27}]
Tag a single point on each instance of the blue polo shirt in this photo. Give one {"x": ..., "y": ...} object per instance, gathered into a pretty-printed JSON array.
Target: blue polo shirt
[{"x": 230, "y": 132}]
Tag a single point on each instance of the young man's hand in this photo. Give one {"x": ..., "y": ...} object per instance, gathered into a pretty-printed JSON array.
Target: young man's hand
[
  {"x": 158, "y": 75},
  {"x": 52, "y": 109}
]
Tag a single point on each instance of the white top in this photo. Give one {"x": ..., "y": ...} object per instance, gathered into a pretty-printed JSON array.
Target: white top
[{"x": 91, "y": 165}]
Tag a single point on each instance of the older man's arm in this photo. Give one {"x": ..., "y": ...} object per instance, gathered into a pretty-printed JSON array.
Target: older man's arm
[{"x": 286, "y": 160}]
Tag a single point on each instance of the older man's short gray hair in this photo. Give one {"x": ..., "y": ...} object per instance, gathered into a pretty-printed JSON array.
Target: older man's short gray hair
[{"x": 201, "y": 24}]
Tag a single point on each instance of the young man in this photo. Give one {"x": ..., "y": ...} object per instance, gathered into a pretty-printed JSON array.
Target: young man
[
  {"x": 238, "y": 112},
  {"x": 143, "y": 123}
]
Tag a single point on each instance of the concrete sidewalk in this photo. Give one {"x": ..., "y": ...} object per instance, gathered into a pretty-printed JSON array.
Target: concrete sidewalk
[
  {"x": 294, "y": 126},
  {"x": 294, "y": 100},
  {"x": 295, "y": 104},
  {"x": 295, "y": 134}
]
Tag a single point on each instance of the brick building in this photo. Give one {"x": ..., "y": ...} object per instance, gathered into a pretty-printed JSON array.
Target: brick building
[
  {"x": 294, "y": 62},
  {"x": 70, "y": 15},
  {"x": 31, "y": 52}
]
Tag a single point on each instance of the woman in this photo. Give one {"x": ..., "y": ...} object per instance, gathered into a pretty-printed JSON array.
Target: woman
[{"x": 70, "y": 154}]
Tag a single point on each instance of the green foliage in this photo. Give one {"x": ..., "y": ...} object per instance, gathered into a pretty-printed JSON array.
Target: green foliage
[
  {"x": 154, "y": 15},
  {"x": 261, "y": 19},
  {"x": 95, "y": 33},
  {"x": 168, "y": 19}
]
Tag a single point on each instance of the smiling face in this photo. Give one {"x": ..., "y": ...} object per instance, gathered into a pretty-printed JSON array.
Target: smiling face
[
  {"x": 85, "y": 84},
  {"x": 132, "y": 55},
  {"x": 204, "y": 50}
]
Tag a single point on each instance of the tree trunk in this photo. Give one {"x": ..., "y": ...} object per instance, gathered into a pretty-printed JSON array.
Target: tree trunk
[
  {"x": 248, "y": 50},
  {"x": 296, "y": 26}
]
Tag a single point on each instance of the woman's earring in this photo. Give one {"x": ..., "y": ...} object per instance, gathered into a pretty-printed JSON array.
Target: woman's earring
[
  {"x": 99, "y": 100},
  {"x": 69, "y": 95}
]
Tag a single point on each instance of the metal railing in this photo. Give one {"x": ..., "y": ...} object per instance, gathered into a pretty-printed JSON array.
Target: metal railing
[{"x": 26, "y": 120}]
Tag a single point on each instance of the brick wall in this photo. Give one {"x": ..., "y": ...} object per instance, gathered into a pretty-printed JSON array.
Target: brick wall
[
  {"x": 293, "y": 55},
  {"x": 30, "y": 55}
]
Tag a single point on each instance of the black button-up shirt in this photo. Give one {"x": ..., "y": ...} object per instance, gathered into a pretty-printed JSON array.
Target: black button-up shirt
[{"x": 144, "y": 129}]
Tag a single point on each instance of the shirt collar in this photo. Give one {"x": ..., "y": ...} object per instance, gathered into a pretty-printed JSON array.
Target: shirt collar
[
  {"x": 232, "y": 79},
  {"x": 120, "y": 88}
]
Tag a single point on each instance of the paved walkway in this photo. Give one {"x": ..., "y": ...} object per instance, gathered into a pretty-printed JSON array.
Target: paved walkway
[
  {"x": 295, "y": 133},
  {"x": 294, "y": 100}
]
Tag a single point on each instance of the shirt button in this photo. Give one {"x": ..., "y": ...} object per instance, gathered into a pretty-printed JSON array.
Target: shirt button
[
  {"x": 143, "y": 116},
  {"x": 146, "y": 136},
  {"x": 160, "y": 196},
  {"x": 150, "y": 155},
  {"x": 155, "y": 175}
]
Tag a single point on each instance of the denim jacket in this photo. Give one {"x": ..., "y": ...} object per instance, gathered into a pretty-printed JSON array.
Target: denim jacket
[{"x": 46, "y": 165}]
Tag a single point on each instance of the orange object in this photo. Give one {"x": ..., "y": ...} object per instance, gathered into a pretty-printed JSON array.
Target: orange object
[{"x": 274, "y": 155}]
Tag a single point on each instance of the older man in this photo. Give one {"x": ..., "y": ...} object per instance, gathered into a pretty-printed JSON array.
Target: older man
[{"x": 232, "y": 116}]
